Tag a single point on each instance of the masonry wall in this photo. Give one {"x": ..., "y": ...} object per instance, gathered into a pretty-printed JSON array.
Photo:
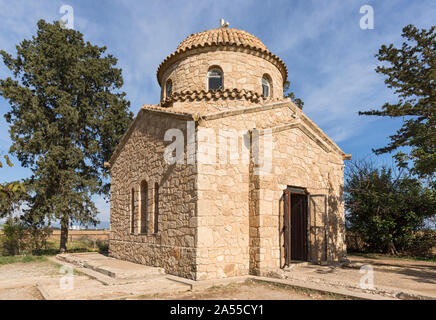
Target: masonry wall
[
  {"x": 142, "y": 158},
  {"x": 299, "y": 161},
  {"x": 240, "y": 213},
  {"x": 225, "y": 226},
  {"x": 223, "y": 242},
  {"x": 217, "y": 218},
  {"x": 242, "y": 70}
]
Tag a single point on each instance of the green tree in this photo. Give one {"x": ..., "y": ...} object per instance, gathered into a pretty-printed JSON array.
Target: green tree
[
  {"x": 67, "y": 116},
  {"x": 411, "y": 72},
  {"x": 7, "y": 190},
  {"x": 386, "y": 210},
  {"x": 26, "y": 231},
  {"x": 287, "y": 93},
  {"x": 14, "y": 196},
  {"x": 14, "y": 237}
]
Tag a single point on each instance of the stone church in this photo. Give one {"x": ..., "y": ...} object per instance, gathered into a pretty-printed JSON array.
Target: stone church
[{"x": 225, "y": 177}]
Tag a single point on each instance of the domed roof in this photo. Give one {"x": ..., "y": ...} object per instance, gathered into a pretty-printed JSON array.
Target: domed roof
[{"x": 222, "y": 36}]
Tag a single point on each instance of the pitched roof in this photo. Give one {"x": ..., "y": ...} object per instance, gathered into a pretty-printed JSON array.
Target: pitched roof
[{"x": 314, "y": 131}]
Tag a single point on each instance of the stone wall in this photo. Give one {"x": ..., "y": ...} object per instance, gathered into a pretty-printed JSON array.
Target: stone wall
[
  {"x": 223, "y": 249},
  {"x": 142, "y": 159},
  {"x": 298, "y": 161},
  {"x": 217, "y": 218},
  {"x": 242, "y": 70},
  {"x": 240, "y": 212}
]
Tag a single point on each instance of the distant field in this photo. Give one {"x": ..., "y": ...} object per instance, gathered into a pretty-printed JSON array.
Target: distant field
[
  {"x": 78, "y": 241},
  {"x": 78, "y": 234}
]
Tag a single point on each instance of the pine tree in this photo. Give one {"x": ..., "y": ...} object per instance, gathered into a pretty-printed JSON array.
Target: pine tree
[
  {"x": 411, "y": 72},
  {"x": 8, "y": 190},
  {"x": 67, "y": 115},
  {"x": 287, "y": 93}
]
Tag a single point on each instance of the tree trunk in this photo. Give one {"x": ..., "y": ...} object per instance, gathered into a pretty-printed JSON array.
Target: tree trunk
[
  {"x": 64, "y": 233},
  {"x": 392, "y": 250}
]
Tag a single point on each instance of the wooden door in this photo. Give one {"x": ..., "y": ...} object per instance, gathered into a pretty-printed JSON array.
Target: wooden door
[
  {"x": 298, "y": 227},
  {"x": 295, "y": 226}
]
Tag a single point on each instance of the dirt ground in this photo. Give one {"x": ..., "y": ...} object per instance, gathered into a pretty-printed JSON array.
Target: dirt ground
[
  {"x": 28, "y": 270},
  {"x": 249, "y": 290},
  {"x": 409, "y": 276},
  {"x": 18, "y": 281}
]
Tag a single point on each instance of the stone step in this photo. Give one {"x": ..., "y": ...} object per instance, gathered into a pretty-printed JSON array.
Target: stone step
[
  {"x": 95, "y": 275},
  {"x": 296, "y": 264},
  {"x": 117, "y": 269}
]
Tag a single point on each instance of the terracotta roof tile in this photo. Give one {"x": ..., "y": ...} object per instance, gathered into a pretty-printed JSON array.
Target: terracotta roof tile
[
  {"x": 221, "y": 37},
  {"x": 191, "y": 95}
]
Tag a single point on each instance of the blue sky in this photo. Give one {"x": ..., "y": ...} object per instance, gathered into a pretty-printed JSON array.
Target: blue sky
[{"x": 329, "y": 57}]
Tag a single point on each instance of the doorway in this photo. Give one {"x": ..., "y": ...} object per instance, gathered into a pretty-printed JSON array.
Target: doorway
[{"x": 295, "y": 225}]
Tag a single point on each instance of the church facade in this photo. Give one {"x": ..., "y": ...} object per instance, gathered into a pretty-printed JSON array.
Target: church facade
[{"x": 225, "y": 177}]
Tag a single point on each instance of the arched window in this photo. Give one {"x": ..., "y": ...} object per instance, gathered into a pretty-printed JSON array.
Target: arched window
[
  {"x": 132, "y": 211},
  {"x": 215, "y": 79},
  {"x": 144, "y": 206},
  {"x": 266, "y": 86},
  {"x": 168, "y": 88},
  {"x": 156, "y": 207}
]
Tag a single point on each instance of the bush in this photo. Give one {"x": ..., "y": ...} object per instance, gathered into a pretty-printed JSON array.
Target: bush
[
  {"x": 386, "y": 210},
  {"x": 22, "y": 238},
  {"x": 14, "y": 236},
  {"x": 103, "y": 247},
  {"x": 423, "y": 244},
  {"x": 37, "y": 238},
  {"x": 354, "y": 242}
]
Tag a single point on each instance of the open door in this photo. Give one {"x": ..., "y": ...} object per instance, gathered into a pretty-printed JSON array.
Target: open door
[
  {"x": 317, "y": 228},
  {"x": 295, "y": 225}
]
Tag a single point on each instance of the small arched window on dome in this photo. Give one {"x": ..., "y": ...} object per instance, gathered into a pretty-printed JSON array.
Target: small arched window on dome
[
  {"x": 215, "y": 79},
  {"x": 168, "y": 88},
  {"x": 266, "y": 86}
]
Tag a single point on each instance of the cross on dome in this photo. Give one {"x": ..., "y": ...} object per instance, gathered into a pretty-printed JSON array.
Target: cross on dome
[{"x": 223, "y": 24}]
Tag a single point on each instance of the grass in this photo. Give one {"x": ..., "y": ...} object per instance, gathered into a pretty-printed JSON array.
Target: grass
[
  {"x": 54, "y": 266},
  {"x": 52, "y": 248},
  {"x": 386, "y": 256},
  {"x": 75, "y": 246},
  {"x": 22, "y": 259}
]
